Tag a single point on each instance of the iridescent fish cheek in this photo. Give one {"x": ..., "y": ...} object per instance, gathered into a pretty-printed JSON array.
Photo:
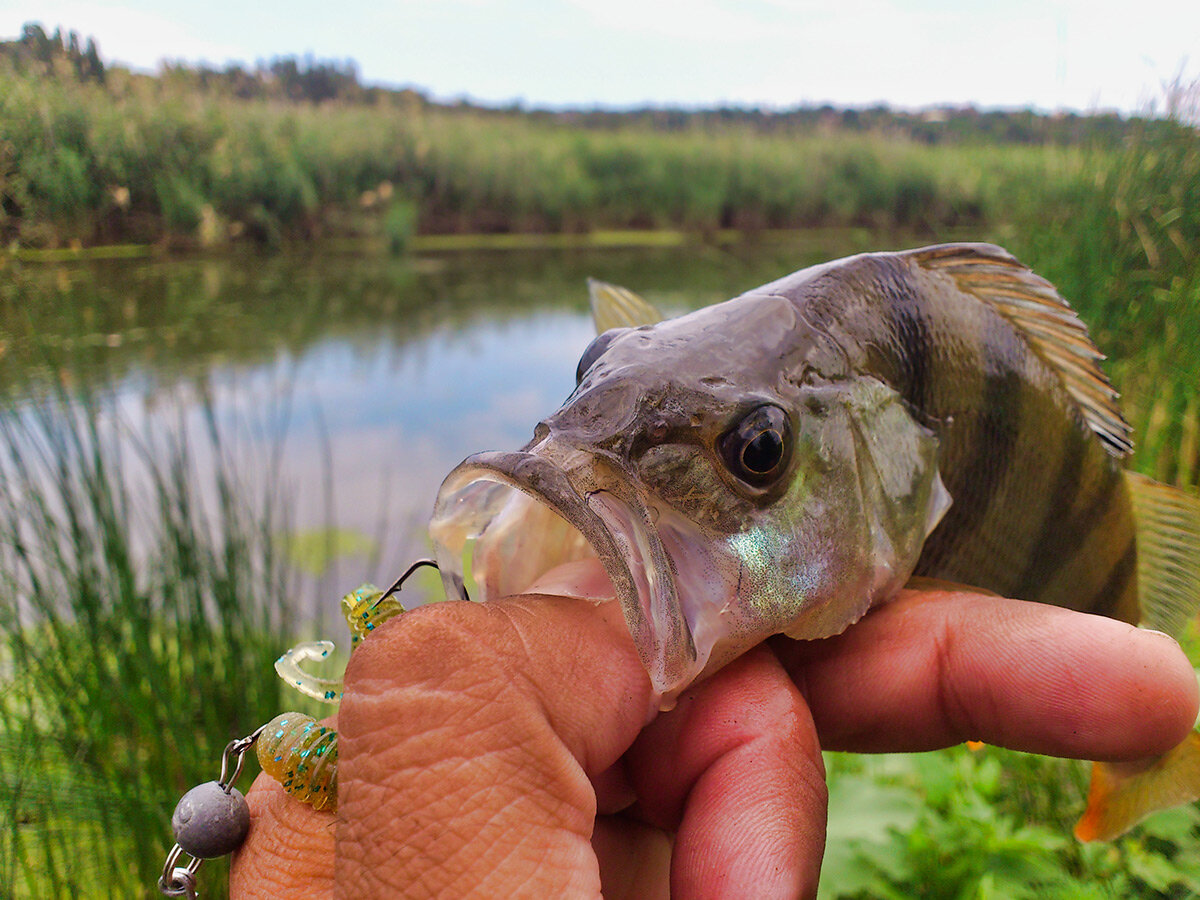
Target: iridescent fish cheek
[{"x": 682, "y": 476}]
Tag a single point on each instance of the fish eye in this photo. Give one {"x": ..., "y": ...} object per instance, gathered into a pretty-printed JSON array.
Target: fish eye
[
  {"x": 594, "y": 351},
  {"x": 757, "y": 448}
]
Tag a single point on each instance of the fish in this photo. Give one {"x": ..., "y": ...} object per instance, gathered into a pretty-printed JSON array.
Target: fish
[{"x": 784, "y": 461}]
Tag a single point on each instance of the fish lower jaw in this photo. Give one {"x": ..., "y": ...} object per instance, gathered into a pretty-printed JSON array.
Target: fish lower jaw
[{"x": 529, "y": 526}]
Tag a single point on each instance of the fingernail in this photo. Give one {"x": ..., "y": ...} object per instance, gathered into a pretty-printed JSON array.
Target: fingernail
[{"x": 1161, "y": 633}]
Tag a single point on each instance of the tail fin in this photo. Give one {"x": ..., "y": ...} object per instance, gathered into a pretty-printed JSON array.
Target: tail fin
[
  {"x": 1122, "y": 794},
  {"x": 1168, "y": 543}
]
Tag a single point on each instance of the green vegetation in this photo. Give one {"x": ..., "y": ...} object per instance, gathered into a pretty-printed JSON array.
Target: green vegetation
[
  {"x": 990, "y": 824},
  {"x": 300, "y": 150},
  {"x": 1120, "y": 238},
  {"x": 125, "y": 668}
]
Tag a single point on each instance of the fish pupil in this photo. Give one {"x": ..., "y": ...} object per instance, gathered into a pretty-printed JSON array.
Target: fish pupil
[
  {"x": 757, "y": 448},
  {"x": 763, "y": 453}
]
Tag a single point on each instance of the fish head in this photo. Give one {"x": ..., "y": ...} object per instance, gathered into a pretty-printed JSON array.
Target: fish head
[{"x": 732, "y": 478}]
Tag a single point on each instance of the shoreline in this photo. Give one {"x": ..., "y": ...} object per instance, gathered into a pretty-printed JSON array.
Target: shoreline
[{"x": 601, "y": 239}]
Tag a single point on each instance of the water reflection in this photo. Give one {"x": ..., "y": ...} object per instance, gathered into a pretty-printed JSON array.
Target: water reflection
[
  {"x": 388, "y": 427},
  {"x": 357, "y": 382}
]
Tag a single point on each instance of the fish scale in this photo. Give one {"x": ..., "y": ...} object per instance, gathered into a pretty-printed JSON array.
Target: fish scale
[
  {"x": 784, "y": 461},
  {"x": 1002, "y": 419}
]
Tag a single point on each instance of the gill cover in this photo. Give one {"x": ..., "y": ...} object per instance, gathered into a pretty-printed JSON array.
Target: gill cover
[{"x": 705, "y": 567}]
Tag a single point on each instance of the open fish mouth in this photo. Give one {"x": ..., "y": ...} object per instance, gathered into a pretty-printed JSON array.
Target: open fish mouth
[{"x": 528, "y": 512}]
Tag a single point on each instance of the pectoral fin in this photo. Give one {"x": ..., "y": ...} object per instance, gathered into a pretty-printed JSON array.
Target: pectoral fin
[{"x": 1122, "y": 794}]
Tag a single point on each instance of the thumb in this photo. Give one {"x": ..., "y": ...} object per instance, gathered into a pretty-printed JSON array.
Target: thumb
[{"x": 469, "y": 733}]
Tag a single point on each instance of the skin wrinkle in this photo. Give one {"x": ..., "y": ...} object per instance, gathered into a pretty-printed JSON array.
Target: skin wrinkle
[
  {"x": 292, "y": 840},
  {"x": 521, "y": 620},
  {"x": 1018, "y": 687},
  {"x": 569, "y": 722},
  {"x": 776, "y": 722},
  {"x": 460, "y": 855},
  {"x": 752, "y": 815},
  {"x": 753, "y": 771},
  {"x": 952, "y": 700},
  {"x": 758, "y": 822},
  {"x": 514, "y": 753},
  {"x": 488, "y": 803},
  {"x": 567, "y": 729}
]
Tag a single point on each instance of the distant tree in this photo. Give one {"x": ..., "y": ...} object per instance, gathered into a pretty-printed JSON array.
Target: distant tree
[
  {"x": 312, "y": 80},
  {"x": 54, "y": 56}
]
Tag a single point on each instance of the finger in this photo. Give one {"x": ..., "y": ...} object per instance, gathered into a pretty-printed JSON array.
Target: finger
[
  {"x": 289, "y": 850},
  {"x": 467, "y": 736},
  {"x": 737, "y": 769},
  {"x": 634, "y": 858},
  {"x": 932, "y": 669}
]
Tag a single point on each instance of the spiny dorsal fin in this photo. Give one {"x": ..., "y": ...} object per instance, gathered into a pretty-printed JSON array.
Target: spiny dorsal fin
[
  {"x": 1168, "y": 548},
  {"x": 618, "y": 307},
  {"x": 1056, "y": 334}
]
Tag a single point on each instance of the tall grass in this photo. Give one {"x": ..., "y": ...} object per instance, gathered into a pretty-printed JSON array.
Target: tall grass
[
  {"x": 128, "y": 664},
  {"x": 1119, "y": 234},
  {"x": 140, "y": 599},
  {"x": 141, "y": 159}
]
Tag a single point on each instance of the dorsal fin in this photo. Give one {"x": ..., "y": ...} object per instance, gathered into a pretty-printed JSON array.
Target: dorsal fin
[
  {"x": 1056, "y": 334},
  {"x": 1168, "y": 548},
  {"x": 618, "y": 307}
]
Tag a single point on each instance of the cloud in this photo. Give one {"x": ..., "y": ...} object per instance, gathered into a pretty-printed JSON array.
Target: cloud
[{"x": 1073, "y": 53}]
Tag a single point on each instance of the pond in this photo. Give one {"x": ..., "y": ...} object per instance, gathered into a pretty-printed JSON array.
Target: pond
[{"x": 354, "y": 381}]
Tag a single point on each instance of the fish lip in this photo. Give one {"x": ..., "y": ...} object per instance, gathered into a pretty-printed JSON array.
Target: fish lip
[{"x": 616, "y": 524}]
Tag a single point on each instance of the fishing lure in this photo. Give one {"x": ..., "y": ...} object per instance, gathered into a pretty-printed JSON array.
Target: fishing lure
[
  {"x": 212, "y": 819},
  {"x": 297, "y": 750},
  {"x": 364, "y": 609},
  {"x": 301, "y": 754}
]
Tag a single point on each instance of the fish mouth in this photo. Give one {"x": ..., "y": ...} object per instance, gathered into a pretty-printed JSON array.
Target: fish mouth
[{"x": 529, "y": 511}]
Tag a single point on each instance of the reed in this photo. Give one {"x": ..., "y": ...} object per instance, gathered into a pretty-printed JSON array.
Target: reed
[
  {"x": 1119, "y": 233},
  {"x": 144, "y": 159},
  {"x": 140, "y": 597}
]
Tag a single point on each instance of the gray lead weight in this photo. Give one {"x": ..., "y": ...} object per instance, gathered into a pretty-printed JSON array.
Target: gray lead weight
[{"x": 209, "y": 822}]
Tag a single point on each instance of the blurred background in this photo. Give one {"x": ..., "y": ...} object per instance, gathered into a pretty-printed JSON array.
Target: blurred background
[{"x": 267, "y": 274}]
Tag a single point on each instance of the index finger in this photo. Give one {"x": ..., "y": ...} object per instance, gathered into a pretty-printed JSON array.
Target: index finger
[{"x": 935, "y": 668}]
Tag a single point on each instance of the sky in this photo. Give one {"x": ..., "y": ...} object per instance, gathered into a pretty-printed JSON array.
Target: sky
[{"x": 1081, "y": 55}]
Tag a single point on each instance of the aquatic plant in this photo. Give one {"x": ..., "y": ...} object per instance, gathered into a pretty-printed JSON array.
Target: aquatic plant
[
  {"x": 140, "y": 599},
  {"x": 144, "y": 159}
]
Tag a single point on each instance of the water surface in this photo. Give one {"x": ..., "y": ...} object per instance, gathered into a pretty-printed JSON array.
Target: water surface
[{"x": 356, "y": 381}]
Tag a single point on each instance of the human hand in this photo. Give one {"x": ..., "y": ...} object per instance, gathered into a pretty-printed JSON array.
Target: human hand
[{"x": 501, "y": 750}]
